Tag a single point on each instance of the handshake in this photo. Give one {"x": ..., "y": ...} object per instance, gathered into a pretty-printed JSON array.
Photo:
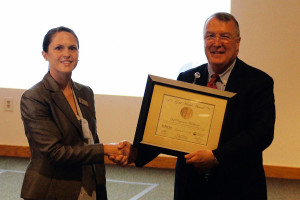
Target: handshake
[{"x": 122, "y": 153}]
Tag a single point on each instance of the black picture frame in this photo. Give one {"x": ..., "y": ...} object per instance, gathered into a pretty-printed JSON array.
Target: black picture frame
[{"x": 155, "y": 88}]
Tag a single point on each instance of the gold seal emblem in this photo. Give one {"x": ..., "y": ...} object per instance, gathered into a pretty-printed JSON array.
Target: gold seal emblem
[{"x": 186, "y": 112}]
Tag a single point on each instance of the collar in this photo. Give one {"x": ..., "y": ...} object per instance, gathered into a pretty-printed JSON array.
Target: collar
[{"x": 224, "y": 76}]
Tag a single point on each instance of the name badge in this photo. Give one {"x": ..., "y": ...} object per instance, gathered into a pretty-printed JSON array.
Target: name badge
[{"x": 82, "y": 101}]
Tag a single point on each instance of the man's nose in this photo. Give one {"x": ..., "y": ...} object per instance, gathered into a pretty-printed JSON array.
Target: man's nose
[{"x": 217, "y": 41}]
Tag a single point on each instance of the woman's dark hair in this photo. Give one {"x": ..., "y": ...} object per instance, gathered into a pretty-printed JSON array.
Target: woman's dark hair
[{"x": 51, "y": 32}]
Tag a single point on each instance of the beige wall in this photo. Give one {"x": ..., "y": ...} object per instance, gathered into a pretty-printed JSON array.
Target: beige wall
[
  {"x": 270, "y": 41},
  {"x": 11, "y": 127},
  {"x": 117, "y": 118}
]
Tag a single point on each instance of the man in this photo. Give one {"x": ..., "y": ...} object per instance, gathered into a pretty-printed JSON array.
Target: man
[{"x": 235, "y": 169}]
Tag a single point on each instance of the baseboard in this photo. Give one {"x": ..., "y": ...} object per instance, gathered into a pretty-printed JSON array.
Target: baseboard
[
  {"x": 14, "y": 151},
  {"x": 160, "y": 162},
  {"x": 282, "y": 172}
]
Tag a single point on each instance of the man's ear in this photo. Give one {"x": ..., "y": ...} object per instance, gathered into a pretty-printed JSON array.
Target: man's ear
[{"x": 45, "y": 55}]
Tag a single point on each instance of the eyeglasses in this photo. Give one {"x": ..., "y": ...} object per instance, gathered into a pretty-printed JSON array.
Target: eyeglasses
[{"x": 224, "y": 38}]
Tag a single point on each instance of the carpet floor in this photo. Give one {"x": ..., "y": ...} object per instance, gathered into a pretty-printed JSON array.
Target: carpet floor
[{"x": 131, "y": 183}]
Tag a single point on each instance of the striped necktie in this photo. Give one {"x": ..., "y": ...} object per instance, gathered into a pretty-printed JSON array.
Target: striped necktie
[{"x": 213, "y": 80}]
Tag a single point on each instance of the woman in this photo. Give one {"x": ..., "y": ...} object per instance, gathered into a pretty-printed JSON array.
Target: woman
[{"x": 67, "y": 160}]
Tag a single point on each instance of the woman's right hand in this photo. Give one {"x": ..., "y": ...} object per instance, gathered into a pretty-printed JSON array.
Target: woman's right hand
[{"x": 125, "y": 155}]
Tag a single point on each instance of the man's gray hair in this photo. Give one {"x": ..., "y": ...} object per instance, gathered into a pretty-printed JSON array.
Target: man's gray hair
[{"x": 225, "y": 17}]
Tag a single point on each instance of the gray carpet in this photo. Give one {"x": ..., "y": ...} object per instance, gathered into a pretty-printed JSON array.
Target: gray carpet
[{"x": 131, "y": 183}]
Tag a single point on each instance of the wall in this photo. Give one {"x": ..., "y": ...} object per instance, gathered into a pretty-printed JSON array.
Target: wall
[
  {"x": 117, "y": 118},
  {"x": 270, "y": 33}
]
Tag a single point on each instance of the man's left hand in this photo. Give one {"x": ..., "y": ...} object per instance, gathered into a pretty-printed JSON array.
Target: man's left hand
[{"x": 202, "y": 159}]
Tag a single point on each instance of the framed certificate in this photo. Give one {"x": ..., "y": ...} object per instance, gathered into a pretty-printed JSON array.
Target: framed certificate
[{"x": 178, "y": 117}]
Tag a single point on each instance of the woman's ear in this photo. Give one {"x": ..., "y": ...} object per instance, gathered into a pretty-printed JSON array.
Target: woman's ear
[{"x": 45, "y": 55}]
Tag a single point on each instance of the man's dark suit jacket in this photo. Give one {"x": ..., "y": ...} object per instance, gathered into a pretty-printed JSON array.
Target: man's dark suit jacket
[
  {"x": 248, "y": 129},
  {"x": 57, "y": 147}
]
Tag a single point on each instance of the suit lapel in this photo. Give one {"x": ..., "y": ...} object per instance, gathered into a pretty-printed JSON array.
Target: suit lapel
[
  {"x": 63, "y": 104},
  {"x": 60, "y": 100},
  {"x": 204, "y": 76},
  {"x": 81, "y": 101},
  {"x": 189, "y": 76},
  {"x": 85, "y": 105},
  {"x": 235, "y": 78}
]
